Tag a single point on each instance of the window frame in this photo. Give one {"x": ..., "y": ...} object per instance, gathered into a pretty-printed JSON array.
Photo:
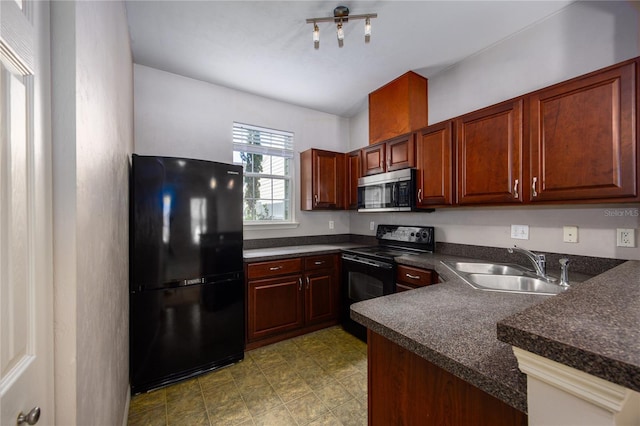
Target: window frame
[{"x": 286, "y": 151}]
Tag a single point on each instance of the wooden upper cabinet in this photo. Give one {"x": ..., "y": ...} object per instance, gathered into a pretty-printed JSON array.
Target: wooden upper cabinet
[
  {"x": 401, "y": 152},
  {"x": 373, "y": 159},
  {"x": 394, "y": 154},
  {"x": 353, "y": 172},
  {"x": 490, "y": 149},
  {"x": 434, "y": 164},
  {"x": 398, "y": 107},
  {"x": 583, "y": 137},
  {"x": 322, "y": 179}
]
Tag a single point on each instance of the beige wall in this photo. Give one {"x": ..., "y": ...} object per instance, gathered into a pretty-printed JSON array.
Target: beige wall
[{"x": 92, "y": 140}]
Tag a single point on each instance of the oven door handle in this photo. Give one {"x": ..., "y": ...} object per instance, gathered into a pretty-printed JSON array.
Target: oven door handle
[{"x": 368, "y": 262}]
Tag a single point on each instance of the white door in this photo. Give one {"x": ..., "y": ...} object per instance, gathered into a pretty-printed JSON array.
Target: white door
[{"x": 26, "y": 304}]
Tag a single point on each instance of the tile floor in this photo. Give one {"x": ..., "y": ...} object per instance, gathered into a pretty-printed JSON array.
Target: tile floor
[{"x": 316, "y": 379}]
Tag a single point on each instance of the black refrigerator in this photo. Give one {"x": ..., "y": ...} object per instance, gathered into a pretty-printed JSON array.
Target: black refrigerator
[{"x": 186, "y": 270}]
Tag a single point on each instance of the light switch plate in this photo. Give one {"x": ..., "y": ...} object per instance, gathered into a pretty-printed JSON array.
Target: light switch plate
[
  {"x": 520, "y": 232},
  {"x": 570, "y": 234},
  {"x": 331, "y": 224},
  {"x": 625, "y": 237},
  {"x": 372, "y": 226}
]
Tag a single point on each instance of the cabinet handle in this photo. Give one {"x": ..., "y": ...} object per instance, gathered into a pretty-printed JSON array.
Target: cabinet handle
[
  {"x": 419, "y": 195},
  {"x": 307, "y": 283},
  {"x": 515, "y": 188},
  {"x": 413, "y": 277},
  {"x": 319, "y": 262},
  {"x": 533, "y": 186},
  {"x": 300, "y": 284},
  {"x": 275, "y": 268},
  {"x": 315, "y": 199}
]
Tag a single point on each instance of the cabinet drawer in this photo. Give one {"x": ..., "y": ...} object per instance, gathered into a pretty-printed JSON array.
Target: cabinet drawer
[
  {"x": 319, "y": 262},
  {"x": 273, "y": 268},
  {"x": 414, "y": 276}
]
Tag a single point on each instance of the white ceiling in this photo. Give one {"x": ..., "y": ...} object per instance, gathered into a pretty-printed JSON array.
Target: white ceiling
[{"x": 266, "y": 48}]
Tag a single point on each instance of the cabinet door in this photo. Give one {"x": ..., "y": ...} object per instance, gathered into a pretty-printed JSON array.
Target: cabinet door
[
  {"x": 401, "y": 152},
  {"x": 583, "y": 138},
  {"x": 274, "y": 306},
  {"x": 353, "y": 173},
  {"x": 322, "y": 296},
  {"x": 398, "y": 107},
  {"x": 490, "y": 149},
  {"x": 373, "y": 159},
  {"x": 434, "y": 162},
  {"x": 327, "y": 179}
]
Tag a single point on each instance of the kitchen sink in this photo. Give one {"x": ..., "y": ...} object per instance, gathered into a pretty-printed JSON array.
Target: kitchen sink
[
  {"x": 503, "y": 278},
  {"x": 485, "y": 268}
]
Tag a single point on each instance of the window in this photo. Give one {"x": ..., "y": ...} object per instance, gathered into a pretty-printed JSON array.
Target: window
[{"x": 266, "y": 156}]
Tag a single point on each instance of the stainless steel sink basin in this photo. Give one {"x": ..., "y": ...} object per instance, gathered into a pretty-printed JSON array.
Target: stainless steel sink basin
[
  {"x": 502, "y": 277},
  {"x": 512, "y": 283},
  {"x": 484, "y": 268}
]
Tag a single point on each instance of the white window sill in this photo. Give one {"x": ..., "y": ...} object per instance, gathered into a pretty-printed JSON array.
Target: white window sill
[{"x": 257, "y": 226}]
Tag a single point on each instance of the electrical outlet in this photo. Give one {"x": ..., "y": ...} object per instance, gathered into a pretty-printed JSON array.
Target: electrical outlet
[
  {"x": 331, "y": 224},
  {"x": 520, "y": 232},
  {"x": 372, "y": 226},
  {"x": 570, "y": 234},
  {"x": 625, "y": 237}
]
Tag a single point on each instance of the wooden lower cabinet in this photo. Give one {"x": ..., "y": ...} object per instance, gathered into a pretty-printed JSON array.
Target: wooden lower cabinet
[
  {"x": 292, "y": 303},
  {"x": 275, "y": 306},
  {"x": 321, "y": 297},
  {"x": 405, "y": 389},
  {"x": 409, "y": 278}
]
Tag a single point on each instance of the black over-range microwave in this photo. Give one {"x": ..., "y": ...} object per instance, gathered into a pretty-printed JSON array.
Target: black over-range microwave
[{"x": 388, "y": 192}]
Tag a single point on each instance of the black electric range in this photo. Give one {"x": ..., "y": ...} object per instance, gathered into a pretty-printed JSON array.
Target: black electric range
[{"x": 370, "y": 271}]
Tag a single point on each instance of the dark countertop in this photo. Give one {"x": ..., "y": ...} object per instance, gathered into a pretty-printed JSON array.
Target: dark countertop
[{"x": 594, "y": 327}]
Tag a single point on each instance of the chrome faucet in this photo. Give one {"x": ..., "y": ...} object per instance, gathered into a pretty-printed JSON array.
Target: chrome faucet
[
  {"x": 564, "y": 272},
  {"x": 539, "y": 261}
]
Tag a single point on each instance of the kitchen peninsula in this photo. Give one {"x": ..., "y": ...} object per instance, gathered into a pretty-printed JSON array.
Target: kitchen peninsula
[{"x": 452, "y": 327}]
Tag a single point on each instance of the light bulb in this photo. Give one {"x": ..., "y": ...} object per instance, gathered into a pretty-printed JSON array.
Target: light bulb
[
  {"x": 340, "y": 31},
  {"x": 367, "y": 28},
  {"x": 316, "y": 33}
]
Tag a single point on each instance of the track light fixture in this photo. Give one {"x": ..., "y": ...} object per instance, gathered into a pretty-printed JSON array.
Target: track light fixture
[{"x": 341, "y": 16}]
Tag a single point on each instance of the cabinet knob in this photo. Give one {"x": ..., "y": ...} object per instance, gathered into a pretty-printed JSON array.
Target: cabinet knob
[
  {"x": 31, "y": 418},
  {"x": 533, "y": 187},
  {"x": 515, "y": 188}
]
